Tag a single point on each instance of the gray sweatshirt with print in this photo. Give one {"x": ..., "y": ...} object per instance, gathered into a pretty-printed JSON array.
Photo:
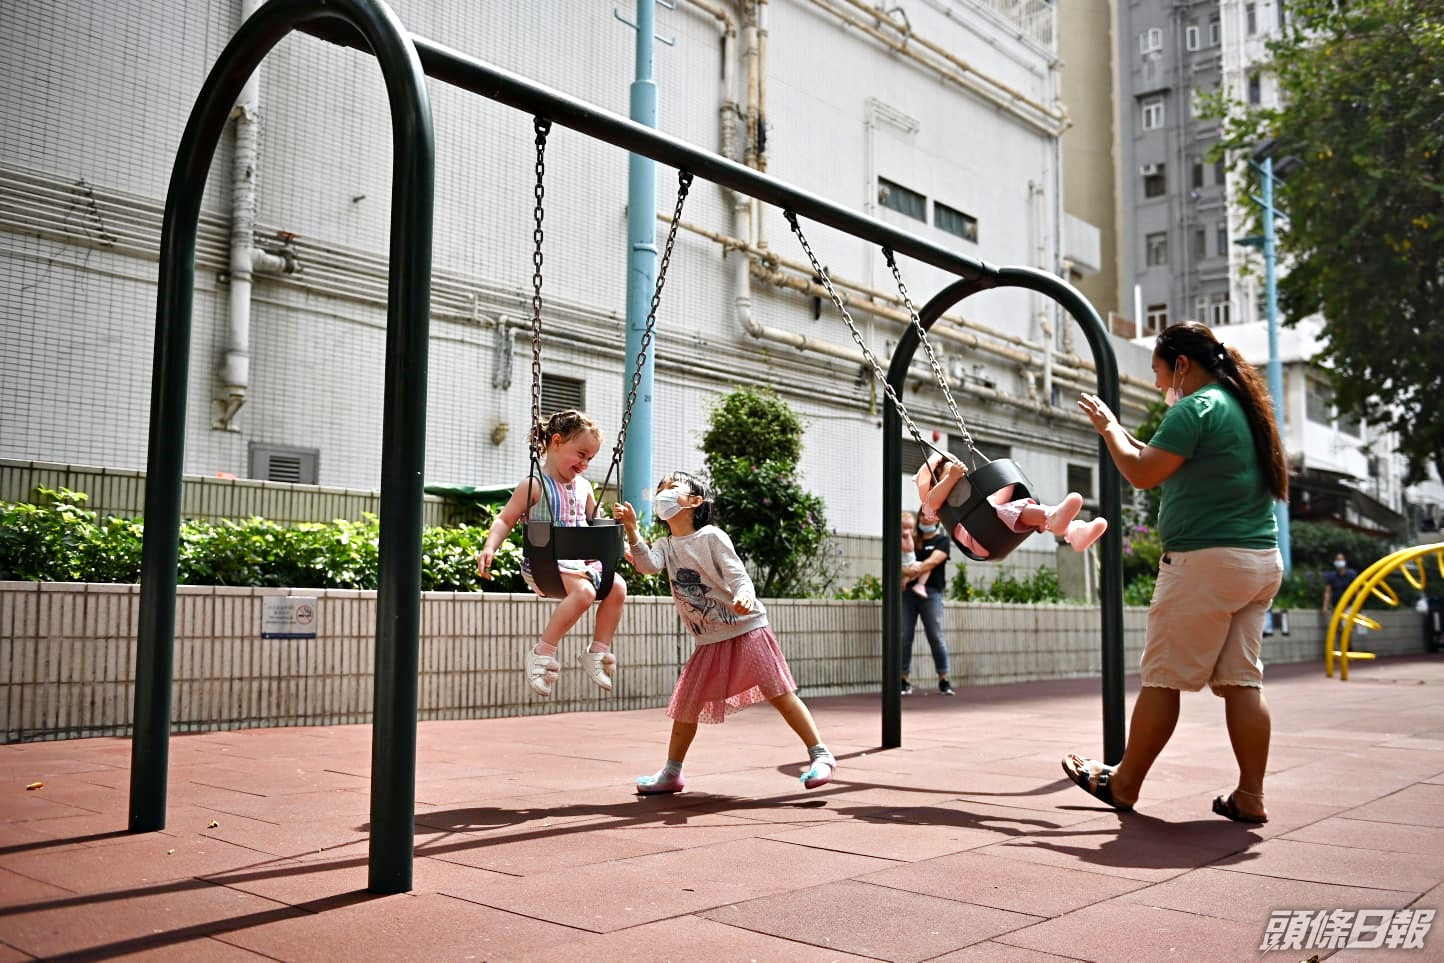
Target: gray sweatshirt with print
[{"x": 706, "y": 575}]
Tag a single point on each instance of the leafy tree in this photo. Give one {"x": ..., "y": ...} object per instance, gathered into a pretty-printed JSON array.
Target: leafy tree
[
  {"x": 1362, "y": 111},
  {"x": 752, "y": 445}
]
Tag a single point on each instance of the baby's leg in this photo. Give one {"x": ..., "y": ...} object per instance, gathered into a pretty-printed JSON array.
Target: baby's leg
[
  {"x": 965, "y": 538},
  {"x": 1081, "y": 535}
]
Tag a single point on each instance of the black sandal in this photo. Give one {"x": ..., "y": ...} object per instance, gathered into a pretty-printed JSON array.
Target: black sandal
[
  {"x": 1228, "y": 808},
  {"x": 1095, "y": 784}
]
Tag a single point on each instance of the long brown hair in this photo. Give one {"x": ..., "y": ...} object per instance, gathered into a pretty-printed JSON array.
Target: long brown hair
[{"x": 1194, "y": 341}]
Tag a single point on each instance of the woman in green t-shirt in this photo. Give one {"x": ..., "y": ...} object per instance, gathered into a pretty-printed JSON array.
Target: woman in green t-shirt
[{"x": 1218, "y": 457}]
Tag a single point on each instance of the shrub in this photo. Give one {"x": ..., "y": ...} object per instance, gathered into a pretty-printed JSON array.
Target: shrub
[{"x": 779, "y": 528}]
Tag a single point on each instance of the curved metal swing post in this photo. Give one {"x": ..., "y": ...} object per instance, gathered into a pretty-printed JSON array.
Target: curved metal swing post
[
  {"x": 368, "y": 24},
  {"x": 1110, "y": 496}
]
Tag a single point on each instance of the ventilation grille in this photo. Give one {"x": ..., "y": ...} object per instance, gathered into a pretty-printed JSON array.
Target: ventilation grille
[
  {"x": 280, "y": 463},
  {"x": 559, "y": 393}
]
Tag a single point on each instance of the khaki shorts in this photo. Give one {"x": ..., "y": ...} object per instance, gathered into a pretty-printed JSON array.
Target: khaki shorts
[{"x": 1205, "y": 623}]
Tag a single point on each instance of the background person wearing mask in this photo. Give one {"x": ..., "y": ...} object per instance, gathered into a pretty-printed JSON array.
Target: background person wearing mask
[
  {"x": 930, "y": 557},
  {"x": 1337, "y": 581}
]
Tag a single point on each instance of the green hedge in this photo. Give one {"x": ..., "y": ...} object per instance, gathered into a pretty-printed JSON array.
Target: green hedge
[{"x": 59, "y": 540}]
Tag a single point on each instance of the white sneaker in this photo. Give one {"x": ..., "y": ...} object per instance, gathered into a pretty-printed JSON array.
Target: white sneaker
[
  {"x": 541, "y": 672},
  {"x": 598, "y": 666}
]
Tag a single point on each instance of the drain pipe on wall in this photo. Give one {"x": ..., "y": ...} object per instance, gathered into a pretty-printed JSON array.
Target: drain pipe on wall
[{"x": 235, "y": 371}]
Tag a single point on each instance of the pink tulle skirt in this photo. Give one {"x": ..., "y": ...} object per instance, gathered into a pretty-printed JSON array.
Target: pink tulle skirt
[{"x": 723, "y": 677}]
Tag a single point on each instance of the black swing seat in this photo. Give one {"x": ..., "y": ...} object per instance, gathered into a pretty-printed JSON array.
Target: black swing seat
[
  {"x": 968, "y": 506},
  {"x": 543, "y": 543}
]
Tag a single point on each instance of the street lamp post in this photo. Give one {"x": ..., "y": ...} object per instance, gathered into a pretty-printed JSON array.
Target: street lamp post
[{"x": 1263, "y": 162}]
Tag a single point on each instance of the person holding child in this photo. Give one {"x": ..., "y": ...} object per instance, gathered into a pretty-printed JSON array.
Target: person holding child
[
  {"x": 737, "y": 661},
  {"x": 1019, "y": 515},
  {"x": 926, "y": 566},
  {"x": 572, "y": 440}
]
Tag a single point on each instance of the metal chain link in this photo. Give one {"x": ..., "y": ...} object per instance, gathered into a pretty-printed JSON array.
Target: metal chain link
[
  {"x": 877, "y": 371},
  {"x": 684, "y": 184},
  {"x": 932, "y": 356},
  {"x": 535, "y": 443}
]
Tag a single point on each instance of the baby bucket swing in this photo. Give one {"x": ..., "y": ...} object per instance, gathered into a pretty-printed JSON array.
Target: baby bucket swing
[
  {"x": 968, "y": 503},
  {"x": 543, "y": 541}
]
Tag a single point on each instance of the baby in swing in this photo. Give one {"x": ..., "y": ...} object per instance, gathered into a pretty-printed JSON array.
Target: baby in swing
[{"x": 1019, "y": 515}]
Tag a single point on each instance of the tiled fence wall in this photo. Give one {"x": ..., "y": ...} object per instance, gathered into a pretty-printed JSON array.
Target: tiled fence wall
[{"x": 67, "y": 654}]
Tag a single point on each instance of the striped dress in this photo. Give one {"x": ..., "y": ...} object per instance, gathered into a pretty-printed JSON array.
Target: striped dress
[{"x": 568, "y": 507}]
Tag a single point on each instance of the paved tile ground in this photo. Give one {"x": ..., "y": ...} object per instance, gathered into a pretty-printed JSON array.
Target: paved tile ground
[{"x": 966, "y": 844}]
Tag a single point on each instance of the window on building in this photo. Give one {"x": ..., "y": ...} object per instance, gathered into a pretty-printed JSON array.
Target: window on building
[
  {"x": 1250, "y": 18},
  {"x": 1080, "y": 480},
  {"x": 1200, "y": 244},
  {"x": 1214, "y": 33},
  {"x": 1157, "y": 249},
  {"x": 1152, "y": 108},
  {"x": 1255, "y": 88},
  {"x": 1196, "y": 175},
  {"x": 559, "y": 393},
  {"x": 1218, "y": 310},
  {"x": 1155, "y": 181},
  {"x": 1150, "y": 40},
  {"x": 1220, "y": 236},
  {"x": 955, "y": 221},
  {"x": 1220, "y": 172},
  {"x": 1350, "y": 424},
  {"x": 1318, "y": 399},
  {"x": 1157, "y": 319},
  {"x": 895, "y": 197},
  {"x": 1190, "y": 36}
]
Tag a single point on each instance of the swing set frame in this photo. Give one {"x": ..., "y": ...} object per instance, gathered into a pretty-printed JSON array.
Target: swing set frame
[{"x": 405, "y": 61}]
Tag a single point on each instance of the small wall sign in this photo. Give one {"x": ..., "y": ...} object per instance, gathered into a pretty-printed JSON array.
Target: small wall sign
[{"x": 288, "y": 617}]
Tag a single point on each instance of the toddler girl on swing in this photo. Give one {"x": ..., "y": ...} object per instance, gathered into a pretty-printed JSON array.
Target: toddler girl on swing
[
  {"x": 572, "y": 441},
  {"x": 1019, "y": 515},
  {"x": 736, "y": 662}
]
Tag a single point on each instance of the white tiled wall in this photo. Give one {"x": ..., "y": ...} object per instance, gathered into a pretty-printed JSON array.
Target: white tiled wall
[{"x": 67, "y": 655}]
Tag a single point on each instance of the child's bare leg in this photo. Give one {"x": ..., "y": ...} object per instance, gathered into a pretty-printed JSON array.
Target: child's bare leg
[
  {"x": 541, "y": 663},
  {"x": 580, "y": 596},
  {"x": 669, "y": 778},
  {"x": 795, "y": 713},
  {"x": 597, "y": 661},
  {"x": 682, "y": 735}
]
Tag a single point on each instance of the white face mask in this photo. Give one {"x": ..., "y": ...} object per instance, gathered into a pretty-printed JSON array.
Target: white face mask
[
  {"x": 667, "y": 504},
  {"x": 1171, "y": 396},
  {"x": 1340, "y": 563}
]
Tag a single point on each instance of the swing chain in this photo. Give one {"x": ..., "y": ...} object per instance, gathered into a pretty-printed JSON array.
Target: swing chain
[
  {"x": 537, "y": 445},
  {"x": 878, "y": 373},
  {"x": 684, "y": 183},
  {"x": 927, "y": 344}
]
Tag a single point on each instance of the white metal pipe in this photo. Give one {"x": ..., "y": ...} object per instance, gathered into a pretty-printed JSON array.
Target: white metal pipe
[{"x": 235, "y": 369}]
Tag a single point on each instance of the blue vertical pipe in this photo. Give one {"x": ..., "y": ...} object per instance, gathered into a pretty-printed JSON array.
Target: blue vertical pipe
[
  {"x": 1275, "y": 366},
  {"x": 641, "y": 270}
]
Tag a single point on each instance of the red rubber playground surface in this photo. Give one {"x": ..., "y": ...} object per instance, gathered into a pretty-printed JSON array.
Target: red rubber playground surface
[{"x": 966, "y": 844}]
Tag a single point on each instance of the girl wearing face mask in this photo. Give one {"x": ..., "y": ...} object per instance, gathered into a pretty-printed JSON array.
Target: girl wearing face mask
[
  {"x": 737, "y": 661},
  {"x": 1221, "y": 465}
]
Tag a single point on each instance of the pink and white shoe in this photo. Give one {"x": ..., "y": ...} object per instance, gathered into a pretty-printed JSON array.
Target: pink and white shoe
[
  {"x": 541, "y": 672},
  {"x": 660, "y": 782},
  {"x": 819, "y": 773},
  {"x": 599, "y": 667}
]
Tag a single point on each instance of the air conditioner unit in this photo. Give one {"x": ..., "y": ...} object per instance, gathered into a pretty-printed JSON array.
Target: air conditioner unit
[{"x": 1150, "y": 170}]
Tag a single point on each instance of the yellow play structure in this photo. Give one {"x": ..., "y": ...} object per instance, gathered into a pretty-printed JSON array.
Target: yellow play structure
[{"x": 1373, "y": 581}]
